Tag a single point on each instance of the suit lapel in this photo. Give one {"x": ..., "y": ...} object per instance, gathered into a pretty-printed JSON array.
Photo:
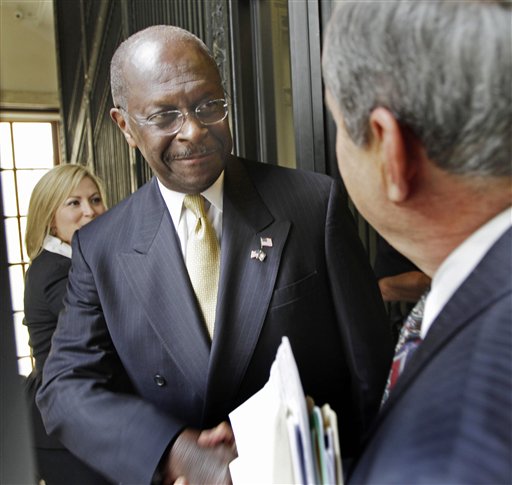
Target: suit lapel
[
  {"x": 156, "y": 272},
  {"x": 490, "y": 280},
  {"x": 246, "y": 284}
]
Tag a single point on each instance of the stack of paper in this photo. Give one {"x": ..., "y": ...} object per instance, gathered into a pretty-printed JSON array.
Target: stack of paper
[{"x": 283, "y": 438}]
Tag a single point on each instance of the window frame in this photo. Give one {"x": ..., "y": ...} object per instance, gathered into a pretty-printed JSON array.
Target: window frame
[{"x": 52, "y": 117}]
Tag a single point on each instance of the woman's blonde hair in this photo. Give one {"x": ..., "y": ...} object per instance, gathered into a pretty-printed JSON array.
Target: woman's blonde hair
[{"x": 49, "y": 193}]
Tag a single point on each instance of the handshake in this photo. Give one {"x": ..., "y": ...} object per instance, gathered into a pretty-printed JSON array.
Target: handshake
[
  {"x": 281, "y": 437},
  {"x": 200, "y": 457}
]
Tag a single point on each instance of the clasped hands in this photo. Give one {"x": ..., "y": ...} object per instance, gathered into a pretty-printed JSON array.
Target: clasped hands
[{"x": 201, "y": 457}]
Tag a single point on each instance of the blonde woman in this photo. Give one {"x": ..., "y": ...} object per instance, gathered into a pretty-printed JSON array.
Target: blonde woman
[{"x": 66, "y": 198}]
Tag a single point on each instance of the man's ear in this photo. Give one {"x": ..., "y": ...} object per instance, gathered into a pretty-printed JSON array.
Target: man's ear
[
  {"x": 396, "y": 165},
  {"x": 118, "y": 117}
]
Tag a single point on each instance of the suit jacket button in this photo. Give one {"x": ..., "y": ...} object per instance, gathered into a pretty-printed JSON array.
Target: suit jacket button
[{"x": 159, "y": 380}]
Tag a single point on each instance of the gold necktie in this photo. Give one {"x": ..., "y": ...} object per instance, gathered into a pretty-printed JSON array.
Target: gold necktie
[{"x": 203, "y": 260}]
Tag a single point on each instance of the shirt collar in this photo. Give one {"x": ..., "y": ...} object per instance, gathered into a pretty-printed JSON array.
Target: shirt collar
[
  {"x": 55, "y": 245},
  {"x": 214, "y": 193},
  {"x": 174, "y": 200},
  {"x": 460, "y": 263}
]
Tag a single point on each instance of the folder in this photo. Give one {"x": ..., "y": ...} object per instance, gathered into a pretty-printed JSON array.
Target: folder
[{"x": 281, "y": 436}]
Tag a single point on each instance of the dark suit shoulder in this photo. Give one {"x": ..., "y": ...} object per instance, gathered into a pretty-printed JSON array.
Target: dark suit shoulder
[
  {"x": 260, "y": 169},
  {"x": 118, "y": 227},
  {"x": 125, "y": 208},
  {"x": 295, "y": 189},
  {"x": 46, "y": 268}
]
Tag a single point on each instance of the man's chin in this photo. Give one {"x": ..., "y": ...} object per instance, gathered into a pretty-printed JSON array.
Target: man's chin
[{"x": 189, "y": 182}]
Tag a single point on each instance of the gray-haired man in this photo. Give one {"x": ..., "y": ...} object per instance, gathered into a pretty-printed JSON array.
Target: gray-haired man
[{"x": 421, "y": 95}]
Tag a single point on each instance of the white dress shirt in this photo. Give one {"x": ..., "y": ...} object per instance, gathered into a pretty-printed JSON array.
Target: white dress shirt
[
  {"x": 460, "y": 263},
  {"x": 184, "y": 220},
  {"x": 55, "y": 245}
]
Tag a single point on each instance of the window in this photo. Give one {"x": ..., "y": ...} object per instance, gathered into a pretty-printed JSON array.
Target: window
[{"x": 27, "y": 151}]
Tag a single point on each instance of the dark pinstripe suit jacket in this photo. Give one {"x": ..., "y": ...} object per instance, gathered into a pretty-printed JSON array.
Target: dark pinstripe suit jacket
[
  {"x": 131, "y": 363},
  {"x": 449, "y": 418}
]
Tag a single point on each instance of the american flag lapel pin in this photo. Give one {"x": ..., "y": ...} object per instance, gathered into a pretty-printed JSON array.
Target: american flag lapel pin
[
  {"x": 259, "y": 254},
  {"x": 266, "y": 242}
]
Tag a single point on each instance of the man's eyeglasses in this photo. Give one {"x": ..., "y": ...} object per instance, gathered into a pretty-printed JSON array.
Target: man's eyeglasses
[{"x": 170, "y": 122}]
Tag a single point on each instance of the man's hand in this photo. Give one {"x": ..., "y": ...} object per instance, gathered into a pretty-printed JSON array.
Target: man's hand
[
  {"x": 222, "y": 433},
  {"x": 201, "y": 457}
]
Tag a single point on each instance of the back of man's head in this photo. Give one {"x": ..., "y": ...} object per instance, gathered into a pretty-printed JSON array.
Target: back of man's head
[{"x": 442, "y": 68}]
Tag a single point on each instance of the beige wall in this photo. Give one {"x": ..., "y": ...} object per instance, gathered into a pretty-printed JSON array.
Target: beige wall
[{"x": 28, "y": 71}]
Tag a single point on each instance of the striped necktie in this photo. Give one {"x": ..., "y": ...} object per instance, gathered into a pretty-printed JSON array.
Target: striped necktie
[
  {"x": 203, "y": 260},
  {"x": 408, "y": 341}
]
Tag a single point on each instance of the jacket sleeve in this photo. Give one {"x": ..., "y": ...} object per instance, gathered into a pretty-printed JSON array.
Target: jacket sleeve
[{"x": 87, "y": 400}]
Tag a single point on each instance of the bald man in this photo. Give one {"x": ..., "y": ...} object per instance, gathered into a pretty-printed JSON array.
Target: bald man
[{"x": 138, "y": 365}]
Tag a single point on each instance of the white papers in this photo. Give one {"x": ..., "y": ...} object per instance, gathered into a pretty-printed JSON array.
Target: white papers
[
  {"x": 262, "y": 444},
  {"x": 333, "y": 447},
  {"x": 276, "y": 439}
]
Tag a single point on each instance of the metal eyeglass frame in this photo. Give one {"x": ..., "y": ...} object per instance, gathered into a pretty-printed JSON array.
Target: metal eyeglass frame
[{"x": 182, "y": 116}]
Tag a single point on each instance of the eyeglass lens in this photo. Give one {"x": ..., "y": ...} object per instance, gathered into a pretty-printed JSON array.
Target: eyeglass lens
[{"x": 207, "y": 114}]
